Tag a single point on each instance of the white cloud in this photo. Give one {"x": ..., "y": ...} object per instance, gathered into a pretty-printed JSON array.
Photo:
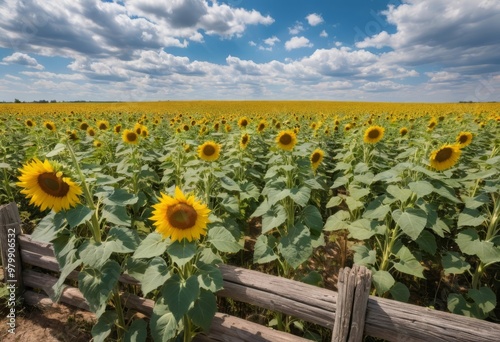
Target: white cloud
[
  {"x": 22, "y": 59},
  {"x": 323, "y": 34},
  {"x": 271, "y": 41},
  {"x": 442, "y": 76},
  {"x": 381, "y": 86},
  {"x": 314, "y": 19},
  {"x": 297, "y": 42},
  {"x": 252, "y": 43},
  {"x": 296, "y": 29}
]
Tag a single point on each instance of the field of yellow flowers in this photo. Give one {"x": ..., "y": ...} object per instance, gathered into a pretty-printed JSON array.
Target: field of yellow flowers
[{"x": 165, "y": 191}]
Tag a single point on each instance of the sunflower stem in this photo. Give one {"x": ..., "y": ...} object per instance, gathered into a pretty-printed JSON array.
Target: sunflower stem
[
  {"x": 96, "y": 231},
  {"x": 120, "y": 327}
]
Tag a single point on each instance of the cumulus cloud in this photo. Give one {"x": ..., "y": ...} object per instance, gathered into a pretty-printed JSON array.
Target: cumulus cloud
[
  {"x": 296, "y": 29},
  {"x": 314, "y": 19},
  {"x": 22, "y": 59},
  {"x": 297, "y": 42},
  {"x": 442, "y": 76},
  {"x": 323, "y": 34}
]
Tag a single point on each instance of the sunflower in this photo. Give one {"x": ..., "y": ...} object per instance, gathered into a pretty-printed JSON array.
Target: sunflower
[
  {"x": 50, "y": 125},
  {"x": 84, "y": 126},
  {"x": 144, "y": 132},
  {"x": 47, "y": 187},
  {"x": 243, "y": 122},
  {"x": 209, "y": 151},
  {"x": 464, "y": 139},
  {"x": 244, "y": 140},
  {"x": 286, "y": 140},
  {"x": 102, "y": 125},
  {"x": 130, "y": 137},
  {"x": 97, "y": 143},
  {"x": 316, "y": 158},
  {"x": 180, "y": 218},
  {"x": 445, "y": 157},
  {"x": 262, "y": 126},
  {"x": 91, "y": 131},
  {"x": 117, "y": 128},
  {"x": 29, "y": 123},
  {"x": 432, "y": 124},
  {"x": 403, "y": 131},
  {"x": 373, "y": 134}
]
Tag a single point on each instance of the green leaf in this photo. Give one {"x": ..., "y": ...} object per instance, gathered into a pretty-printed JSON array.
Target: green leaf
[
  {"x": 136, "y": 268},
  {"x": 484, "y": 298},
  {"x": 182, "y": 252},
  {"x": 400, "y": 292},
  {"x": 120, "y": 197},
  {"x": 337, "y": 221},
  {"x": 444, "y": 191},
  {"x": 469, "y": 243},
  {"x": 412, "y": 221},
  {"x": 364, "y": 256},
  {"x": 353, "y": 204},
  {"x": 122, "y": 240},
  {"x": 153, "y": 245},
  {"x": 116, "y": 214},
  {"x": 311, "y": 217},
  {"x": 47, "y": 228},
  {"x": 470, "y": 217},
  {"x": 300, "y": 196},
  {"x": 421, "y": 188},
  {"x": 334, "y": 201},
  {"x": 209, "y": 277},
  {"x": 229, "y": 184},
  {"x": 407, "y": 262},
  {"x": 476, "y": 202},
  {"x": 357, "y": 192},
  {"x": 57, "y": 149},
  {"x": 137, "y": 331},
  {"x": 163, "y": 323},
  {"x": 454, "y": 263},
  {"x": 96, "y": 285},
  {"x": 377, "y": 209},
  {"x": 484, "y": 301},
  {"x": 401, "y": 194},
  {"x": 264, "y": 249},
  {"x": 273, "y": 218},
  {"x": 94, "y": 254},
  {"x": 155, "y": 275},
  {"x": 223, "y": 240},
  {"x": 363, "y": 229},
  {"x": 313, "y": 278},
  {"x": 180, "y": 295},
  {"x": 104, "y": 326},
  {"x": 296, "y": 246},
  {"x": 383, "y": 281},
  {"x": 427, "y": 242},
  {"x": 78, "y": 215},
  {"x": 203, "y": 311}
]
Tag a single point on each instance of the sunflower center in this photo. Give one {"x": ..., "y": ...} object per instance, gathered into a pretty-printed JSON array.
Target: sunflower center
[
  {"x": 208, "y": 150},
  {"x": 244, "y": 140},
  {"x": 444, "y": 154},
  {"x": 462, "y": 139},
  {"x": 53, "y": 185},
  {"x": 374, "y": 134},
  {"x": 286, "y": 139},
  {"x": 131, "y": 136},
  {"x": 181, "y": 216},
  {"x": 315, "y": 157}
]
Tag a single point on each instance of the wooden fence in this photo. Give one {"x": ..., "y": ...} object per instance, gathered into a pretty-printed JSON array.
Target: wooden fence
[{"x": 351, "y": 313}]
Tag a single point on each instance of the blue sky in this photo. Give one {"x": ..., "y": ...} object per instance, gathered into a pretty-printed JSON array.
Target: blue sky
[{"x": 358, "y": 50}]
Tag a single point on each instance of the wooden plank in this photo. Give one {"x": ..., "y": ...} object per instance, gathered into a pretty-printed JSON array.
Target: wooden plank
[
  {"x": 363, "y": 286},
  {"x": 10, "y": 229}
]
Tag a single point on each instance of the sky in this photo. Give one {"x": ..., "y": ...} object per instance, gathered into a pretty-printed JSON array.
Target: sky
[{"x": 356, "y": 50}]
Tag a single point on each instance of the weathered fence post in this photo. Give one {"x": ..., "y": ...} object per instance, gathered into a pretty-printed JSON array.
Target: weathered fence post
[
  {"x": 10, "y": 228},
  {"x": 353, "y": 292}
]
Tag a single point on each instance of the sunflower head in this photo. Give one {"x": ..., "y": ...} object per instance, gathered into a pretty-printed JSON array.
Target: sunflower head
[
  {"x": 244, "y": 140},
  {"x": 243, "y": 122},
  {"x": 46, "y": 187},
  {"x": 286, "y": 140},
  {"x": 91, "y": 131},
  {"x": 180, "y": 217},
  {"x": 403, "y": 131},
  {"x": 373, "y": 134},
  {"x": 262, "y": 126},
  {"x": 84, "y": 126},
  {"x": 209, "y": 151},
  {"x": 464, "y": 139},
  {"x": 102, "y": 125},
  {"x": 117, "y": 128},
  {"x": 445, "y": 157},
  {"x": 50, "y": 125},
  {"x": 316, "y": 158},
  {"x": 130, "y": 136},
  {"x": 30, "y": 123}
]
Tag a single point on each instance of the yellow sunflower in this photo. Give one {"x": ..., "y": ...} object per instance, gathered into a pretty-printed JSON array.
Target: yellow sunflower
[
  {"x": 102, "y": 125},
  {"x": 47, "y": 187},
  {"x": 91, "y": 131},
  {"x": 117, "y": 128},
  {"x": 445, "y": 157},
  {"x": 403, "y": 131},
  {"x": 316, "y": 158},
  {"x": 209, "y": 151},
  {"x": 243, "y": 122},
  {"x": 84, "y": 126},
  {"x": 180, "y": 217},
  {"x": 97, "y": 143},
  {"x": 50, "y": 125},
  {"x": 464, "y": 139},
  {"x": 30, "y": 123},
  {"x": 286, "y": 140},
  {"x": 373, "y": 134},
  {"x": 130, "y": 137},
  {"x": 262, "y": 126},
  {"x": 244, "y": 140}
]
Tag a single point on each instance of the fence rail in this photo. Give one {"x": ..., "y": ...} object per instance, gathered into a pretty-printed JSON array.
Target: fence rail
[{"x": 386, "y": 319}]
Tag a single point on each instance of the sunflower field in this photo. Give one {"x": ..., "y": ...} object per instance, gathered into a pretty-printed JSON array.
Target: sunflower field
[{"x": 166, "y": 191}]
